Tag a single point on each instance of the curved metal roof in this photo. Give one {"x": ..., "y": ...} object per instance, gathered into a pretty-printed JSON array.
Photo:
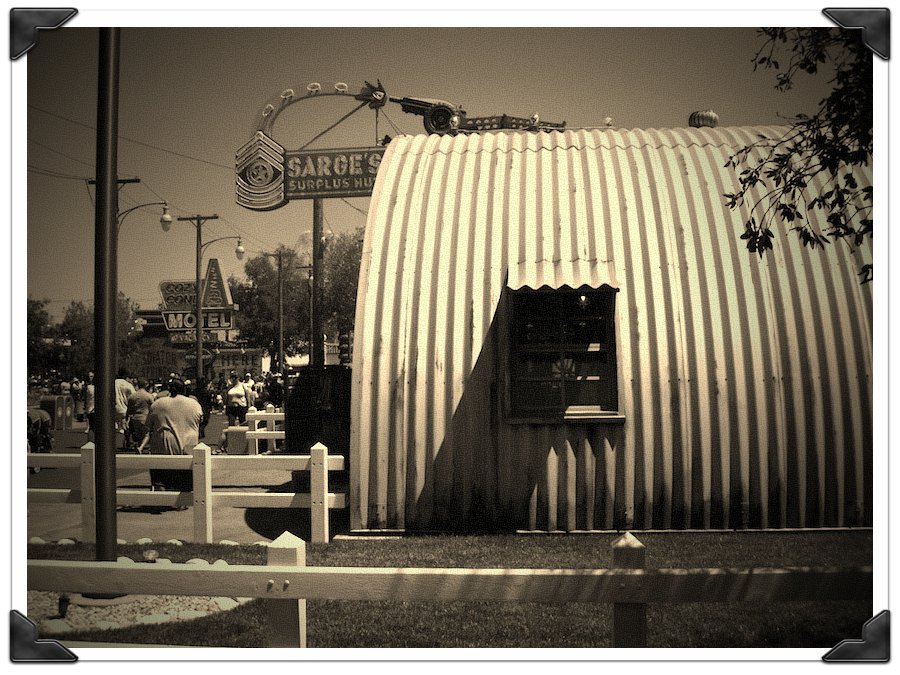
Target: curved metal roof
[{"x": 745, "y": 383}]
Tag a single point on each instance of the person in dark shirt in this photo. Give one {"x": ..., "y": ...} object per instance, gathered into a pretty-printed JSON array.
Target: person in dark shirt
[{"x": 275, "y": 389}]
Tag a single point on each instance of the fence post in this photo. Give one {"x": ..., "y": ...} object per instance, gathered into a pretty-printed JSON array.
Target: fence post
[
  {"x": 252, "y": 445},
  {"x": 287, "y": 618},
  {"x": 629, "y": 618},
  {"x": 88, "y": 494},
  {"x": 201, "y": 469},
  {"x": 318, "y": 493},
  {"x": 270, "y": 426}
]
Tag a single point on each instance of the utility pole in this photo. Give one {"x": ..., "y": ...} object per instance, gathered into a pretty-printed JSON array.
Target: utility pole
[
  {"x": 280, "y": 316},
  {"x": 198, "y": 221},
  {"x": 106, "y": 290}
]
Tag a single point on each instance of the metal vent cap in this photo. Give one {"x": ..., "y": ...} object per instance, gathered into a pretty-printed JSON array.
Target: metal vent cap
[{"x": 703, "y": 118}]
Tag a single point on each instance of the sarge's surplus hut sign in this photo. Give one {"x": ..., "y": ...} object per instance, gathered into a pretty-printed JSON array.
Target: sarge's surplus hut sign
[
  {"x": 268, "y": 176},
  {"x": 563, "y": 331},
  {"x": 332, "y": 173}
]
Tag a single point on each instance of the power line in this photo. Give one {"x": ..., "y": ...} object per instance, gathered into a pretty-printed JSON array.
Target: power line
[
  {"x": 356, "y": 208},
  {"x": 242, "y": 231},
  {"x": 87, "y": 186},
  {"x": 62, "y": 154},
  {"x": 177, "y": 208},
  {"x": 58, "y": 116},
  {"x": 54, "y": 174},
  {"x": 391, "y": 122},
  {"x": 328, "y": 223},
  {"x": 154, "y": 192},
  {"x": 177, "y": 154},
  {"x": 134, "y": 140}
]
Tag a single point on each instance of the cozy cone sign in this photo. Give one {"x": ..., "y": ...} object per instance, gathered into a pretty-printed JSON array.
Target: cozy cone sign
[
  {"x": 179, "y": 299},
  {"x": 268, "y": 176},
  {"x": 216, "y": 294}
]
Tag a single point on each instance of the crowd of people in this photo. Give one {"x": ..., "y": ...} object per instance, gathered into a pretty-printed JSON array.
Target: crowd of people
[{"x": 170, "y": 417}]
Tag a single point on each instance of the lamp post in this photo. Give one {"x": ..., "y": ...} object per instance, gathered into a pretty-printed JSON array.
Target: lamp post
[{"x": 198, "y": 221}]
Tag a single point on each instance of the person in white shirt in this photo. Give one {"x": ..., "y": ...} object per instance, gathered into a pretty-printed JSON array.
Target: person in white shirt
[
  {"x": 124, "y": 389},
  {"x": 173, "y": 429},
  {"x": 236, "y": 401}
]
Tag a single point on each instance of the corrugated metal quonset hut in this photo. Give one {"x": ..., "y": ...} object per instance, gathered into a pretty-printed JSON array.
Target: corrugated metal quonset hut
[{"x": 563, "y": 331}]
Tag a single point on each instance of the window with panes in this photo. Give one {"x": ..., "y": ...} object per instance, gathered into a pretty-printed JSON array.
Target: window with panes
[{"x": 563, "y": 359}]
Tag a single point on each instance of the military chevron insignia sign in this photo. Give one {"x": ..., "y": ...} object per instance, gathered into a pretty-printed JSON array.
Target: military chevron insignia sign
[{"x": 267, "y": 176}]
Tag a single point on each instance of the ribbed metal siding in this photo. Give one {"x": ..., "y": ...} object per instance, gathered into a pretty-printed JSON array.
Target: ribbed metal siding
[{"x": 745, "y": 384}]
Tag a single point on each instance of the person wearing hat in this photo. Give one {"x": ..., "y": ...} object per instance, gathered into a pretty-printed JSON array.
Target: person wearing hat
[{"x": 174, "y": 429}]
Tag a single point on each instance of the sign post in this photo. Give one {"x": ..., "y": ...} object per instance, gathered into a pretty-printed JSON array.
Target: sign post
[
  {"x": 268, "y": 177},
  {"x": 316, "y": 340}
]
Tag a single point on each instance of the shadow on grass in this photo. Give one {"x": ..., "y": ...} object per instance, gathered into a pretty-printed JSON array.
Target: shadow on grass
[
  {"x": 270, "y": 523},
  {"x": 342, "y": 624},
  {"x": 244, "y": 626}
]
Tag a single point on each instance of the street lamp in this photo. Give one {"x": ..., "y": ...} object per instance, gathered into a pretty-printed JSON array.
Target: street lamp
[
  {"x": 165, "y": 219},
  {"x": 198, "y": 221}
]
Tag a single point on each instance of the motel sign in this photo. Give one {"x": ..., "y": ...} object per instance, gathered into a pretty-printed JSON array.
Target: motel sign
[
  {"x": 183, "y": 320},
  {"x": 179, "y": 298}
]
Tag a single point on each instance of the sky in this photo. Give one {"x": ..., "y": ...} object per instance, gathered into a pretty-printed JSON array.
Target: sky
[{"x": 189, "y": 98}]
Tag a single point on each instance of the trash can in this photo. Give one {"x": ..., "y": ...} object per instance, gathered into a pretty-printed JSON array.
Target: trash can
[{"x": 61, "y": 410}]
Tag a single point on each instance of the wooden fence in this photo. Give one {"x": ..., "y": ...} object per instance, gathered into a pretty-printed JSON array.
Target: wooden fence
[
  {"x": 203, "y": 498},
  {"x": 286, "y": 583},
  {"x": 262, "y": 426}
]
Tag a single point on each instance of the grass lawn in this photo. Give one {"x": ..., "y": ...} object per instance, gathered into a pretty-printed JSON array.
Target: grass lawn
[{"x": 494, "y": 624}]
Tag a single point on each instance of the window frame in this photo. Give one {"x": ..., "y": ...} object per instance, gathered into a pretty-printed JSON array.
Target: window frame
[{"x": 605, "y": 411}]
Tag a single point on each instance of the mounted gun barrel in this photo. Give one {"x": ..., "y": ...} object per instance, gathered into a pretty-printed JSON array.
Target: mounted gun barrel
[{"x": 442, "y": 117}]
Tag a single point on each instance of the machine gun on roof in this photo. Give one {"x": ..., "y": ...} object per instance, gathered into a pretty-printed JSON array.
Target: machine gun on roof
[{"x": 441, "y": 117}]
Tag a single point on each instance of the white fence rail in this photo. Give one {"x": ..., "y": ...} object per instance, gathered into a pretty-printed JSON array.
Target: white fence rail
[
  {"x": 203, "y": 498},
  {"x": 287, "y": 583}
]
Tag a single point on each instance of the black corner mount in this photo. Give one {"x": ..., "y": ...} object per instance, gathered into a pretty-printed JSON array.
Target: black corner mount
[
  {"x": 25, "y": 23},
  {"x": 875, "y": 24},
  {"x": 875, "y": 645},
  {"x": 24, "y": 646}
]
